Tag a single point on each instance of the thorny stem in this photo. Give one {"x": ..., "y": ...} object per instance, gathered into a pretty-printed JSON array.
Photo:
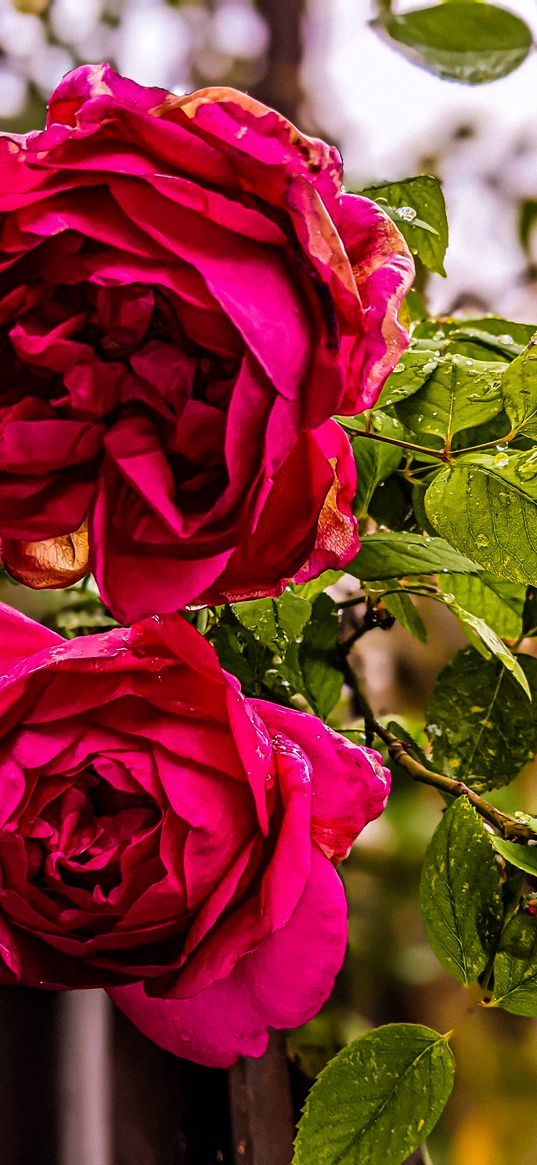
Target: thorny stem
[
  {"x": 506, "y": 826},
  {"x": 438, "y": 453},
  {"x": 447, "y": 454}
]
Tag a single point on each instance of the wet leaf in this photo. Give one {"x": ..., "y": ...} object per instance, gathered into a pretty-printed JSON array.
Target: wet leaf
[
  {"x": 417, "y": 206},
  {"x": 460, "y": 893},
  {"x": 481, "y": 726},
  {"x": 466, "y": 42},
  {"x": 515, "y": 967},
  {"x": 378, "y": 1099},
  {"x": 393, "y": 555},
  {"x": 486, "y": 505}
]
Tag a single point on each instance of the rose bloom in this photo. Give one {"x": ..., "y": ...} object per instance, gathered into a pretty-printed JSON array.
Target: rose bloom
[
  {"x": 186, "y": 297},
  {"x": 167, "y": 838}
]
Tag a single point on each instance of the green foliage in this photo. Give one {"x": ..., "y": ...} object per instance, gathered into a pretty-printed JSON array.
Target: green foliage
[
  {"x": 319, "y": 658},
  {"x": 311, "y": 589},
  {"x": 283, "y": 649},
  {"x": 519, "y": 391},
  {"x": 459, "y": 394},
  {"x": 462, "y": 41},
  {"x": 276, "y": 623},
  {"x": 498, "y": 602},
  {"x": 481, "y": 726},
  {"x": 515, "y": 967},
  {"x": 400, "y": 605},
  {"x": 485, "y": 640},
  {"x": 417, "y": 206},
  {"x": 480, "y": 338},
  {"x": 375, "y": 463},
  {"x": 391, "y": 555},
  {"x": 524, "y": 857},
  {"x": 460, "y": 893},
  {"x": 486, "y": 505},
  {"x": 378, "y": 1099}
]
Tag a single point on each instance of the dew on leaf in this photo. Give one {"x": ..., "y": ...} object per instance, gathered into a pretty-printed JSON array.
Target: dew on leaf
[{"x": 407, "y": 213}]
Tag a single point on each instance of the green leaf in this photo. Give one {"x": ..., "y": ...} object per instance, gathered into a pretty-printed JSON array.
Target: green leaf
[
  {"x": 409, "y": 375},
  {"x": 482, "y": 730},
  {"x": 400, "y": 605},
  {"x": 486, "y": 506},
  {"x": 274, "y": 622},
  {"x": 417, "y": 206},
  {"x": 519, "y": 391},
  {"x": 374, "y": 462},
  {"x": 485, "y": 640},
  {"x": 393, "y": 555},
  {"x": 315, "y": 586},
  {"x": 515, "y": 967},
  {"x": 466, "y": 42},
  {"x": 460, "y": 893},
  {"x": 524, "y": 857},
  {"x": 459, "y": 394},
  {"x": 480, "y": 338},
  {"x": 480, "y": 635},
  {"x": 378, "y": 1099},
  {"x": 498, "y": 602},
  {"x": 319, "y": 657}
]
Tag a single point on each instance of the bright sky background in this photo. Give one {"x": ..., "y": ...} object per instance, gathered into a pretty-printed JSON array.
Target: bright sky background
[{"x": 391, "y": 118}]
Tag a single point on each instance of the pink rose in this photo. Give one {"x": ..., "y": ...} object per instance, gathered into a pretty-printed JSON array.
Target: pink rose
[
  {"x": 167, "y": 838},
  {"x": 187, "y": 296}
]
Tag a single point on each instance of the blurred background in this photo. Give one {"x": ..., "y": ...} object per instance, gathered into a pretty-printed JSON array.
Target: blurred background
[{"x": 319, "y": 62}]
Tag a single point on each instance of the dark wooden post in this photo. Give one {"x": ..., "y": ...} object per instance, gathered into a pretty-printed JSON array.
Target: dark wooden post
[
  {"x": 261, "y": 1110},
  {"x": 166, "y": 1111},
  {"x": 280, "y": 86},
  {"x": 29, "y": 1127}
]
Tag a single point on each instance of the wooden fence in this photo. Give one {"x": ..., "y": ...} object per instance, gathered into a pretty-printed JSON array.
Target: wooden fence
[{"x": 79, "y": 1085}]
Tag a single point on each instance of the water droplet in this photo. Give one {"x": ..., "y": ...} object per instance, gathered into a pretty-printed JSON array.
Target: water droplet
[
  {"x": 407, "y": 213},
  {"x": 482, "y": 541},
  {"x": 501, "y": 460},
  {"x": 398, "y": 368},
  {"x": 505, "y": 339},
  {"x": 469, "y": 363},
  {"x": 501, "y": 446},
  {"x": 528, "y": 468}
]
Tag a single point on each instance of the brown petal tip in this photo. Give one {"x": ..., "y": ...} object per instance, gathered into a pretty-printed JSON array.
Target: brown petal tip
[{"x": 54, "y": 562}]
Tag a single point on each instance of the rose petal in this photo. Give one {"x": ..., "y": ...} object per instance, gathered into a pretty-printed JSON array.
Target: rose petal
[{"x": 283, "y": 983}]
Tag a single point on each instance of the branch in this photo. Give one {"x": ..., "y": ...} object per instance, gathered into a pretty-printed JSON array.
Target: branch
[
  {"x": 506, "y": 826},
  {"x": 440, "y": 454}
]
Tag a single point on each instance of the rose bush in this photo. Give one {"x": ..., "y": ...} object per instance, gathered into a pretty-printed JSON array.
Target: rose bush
[
  {"x": 167, "y": 838},
  {"x": 186, "y": 297}
]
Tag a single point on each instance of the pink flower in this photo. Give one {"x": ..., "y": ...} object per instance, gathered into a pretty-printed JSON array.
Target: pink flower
[
  {"x": 167, "y": 838},
  {"x": 187, "y": 296}
]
